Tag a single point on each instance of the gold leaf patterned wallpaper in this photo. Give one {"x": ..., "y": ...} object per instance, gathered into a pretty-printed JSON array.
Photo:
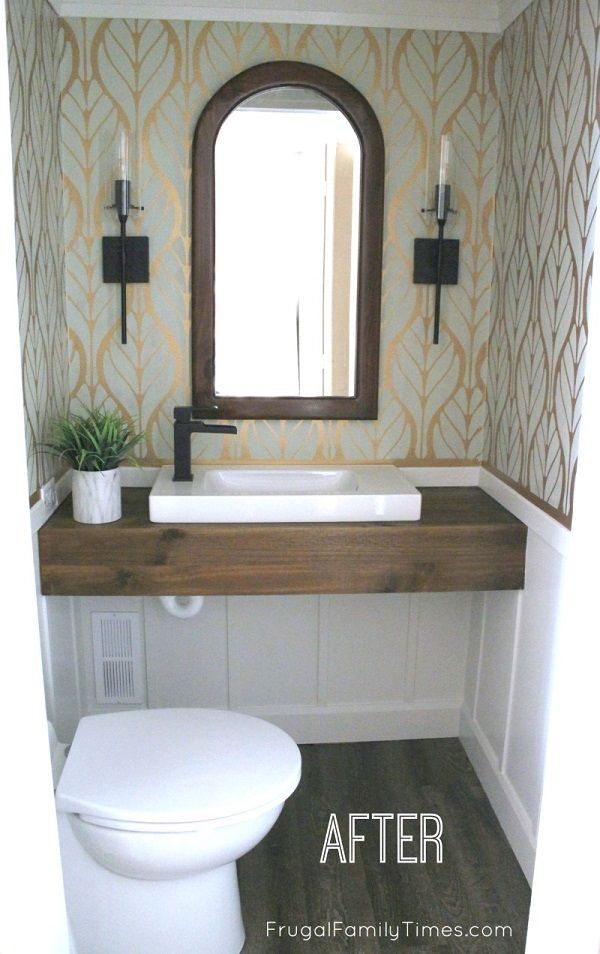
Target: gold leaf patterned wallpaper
[
  {"x": 155, "y": 77},
  {"x": 546, "y": 203},
  {"x": 34, "y": 51},
  {"x": 524, "y": 110}
]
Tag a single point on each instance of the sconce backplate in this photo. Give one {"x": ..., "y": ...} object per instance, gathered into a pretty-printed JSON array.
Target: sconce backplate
[
  {"x": 426, "y": 261},
  {"x": 136, "y": 259}
]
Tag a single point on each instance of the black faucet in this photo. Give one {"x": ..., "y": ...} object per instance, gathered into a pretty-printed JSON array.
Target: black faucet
[{"x": 186, "y": 424}]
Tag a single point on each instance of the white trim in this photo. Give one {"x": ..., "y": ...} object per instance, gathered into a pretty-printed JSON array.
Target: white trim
[
  {"x": 474, "y": 16},
  {"x": 546, "y": 527},
  {"x": 45, "y": 639},
  {"x": 529, "y": 513},
  {"x": 509, "y": 10},
  {"x": 443, "y": 476},
  {"x": 512, "y": 684},
  {"x": 549, "y": 529},
  {"x": 41, "y": 512},
  {"x": 33, "y": 909},
  {"x": 507, "y": 805},
  {"x": 412, "y": 647},
  {"x": 480, "y": 651},
  {"x": 323, "y": 616},
  {"x": 138, "y": 476},
  {"x": 363, "y": 722},
  {"x": 419, "y": 476},
  {"x": 564, "y": 913}
]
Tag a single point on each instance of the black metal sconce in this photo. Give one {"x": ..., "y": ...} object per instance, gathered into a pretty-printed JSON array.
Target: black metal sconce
[
  {"x": 436, "y": 260},
  {"x": 125, "y": 259}
]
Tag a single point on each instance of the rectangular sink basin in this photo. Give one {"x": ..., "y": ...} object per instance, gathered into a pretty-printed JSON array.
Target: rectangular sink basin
[{"x": 282, "y": 494}]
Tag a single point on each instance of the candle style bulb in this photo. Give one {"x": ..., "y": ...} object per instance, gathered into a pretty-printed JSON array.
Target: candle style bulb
[
  {"x": 443, "y": 183},
  {"x": 444, "y": 160},
  {"x": 123, "y": 157}
]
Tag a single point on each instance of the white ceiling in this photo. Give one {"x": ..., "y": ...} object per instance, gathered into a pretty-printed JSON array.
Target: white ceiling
[{"x": 480, "y": 16}]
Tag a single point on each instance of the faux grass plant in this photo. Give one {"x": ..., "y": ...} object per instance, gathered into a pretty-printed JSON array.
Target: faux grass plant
[{"x": 95, "y": 440}]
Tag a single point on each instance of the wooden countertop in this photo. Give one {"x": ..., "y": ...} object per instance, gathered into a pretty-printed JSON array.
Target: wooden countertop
[{"x": 464, "y": 541}]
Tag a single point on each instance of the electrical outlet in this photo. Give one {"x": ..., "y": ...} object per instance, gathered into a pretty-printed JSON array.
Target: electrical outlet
[{"x": 48, "y": 494}]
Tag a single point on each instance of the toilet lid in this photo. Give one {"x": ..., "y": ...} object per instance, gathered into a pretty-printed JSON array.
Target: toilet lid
[{"x": 173, "y": 766}]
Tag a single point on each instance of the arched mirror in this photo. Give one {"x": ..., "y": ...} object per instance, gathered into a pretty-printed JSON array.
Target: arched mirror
[{"x": 287, "y": 218}]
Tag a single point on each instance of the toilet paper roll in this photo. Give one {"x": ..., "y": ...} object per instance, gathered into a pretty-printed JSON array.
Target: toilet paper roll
[{"x": 183, "y": 607}]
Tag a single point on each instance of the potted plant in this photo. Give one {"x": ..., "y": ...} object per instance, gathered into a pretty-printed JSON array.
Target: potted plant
[{"x": 94, "y": 443}]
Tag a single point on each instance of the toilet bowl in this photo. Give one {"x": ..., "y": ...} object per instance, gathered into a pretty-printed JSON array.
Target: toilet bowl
[{"x": 154, "y": 807}]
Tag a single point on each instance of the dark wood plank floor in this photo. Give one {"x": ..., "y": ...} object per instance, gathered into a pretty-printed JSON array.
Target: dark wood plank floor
[{"x": 478, "y": 883}]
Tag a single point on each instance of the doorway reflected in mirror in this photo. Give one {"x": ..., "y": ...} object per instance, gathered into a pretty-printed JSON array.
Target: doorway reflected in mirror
[{"x": 287, "y": 182}]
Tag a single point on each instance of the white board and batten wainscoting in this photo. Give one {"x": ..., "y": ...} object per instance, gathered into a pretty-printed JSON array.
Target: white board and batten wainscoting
[{"x": 348, "y": 668}]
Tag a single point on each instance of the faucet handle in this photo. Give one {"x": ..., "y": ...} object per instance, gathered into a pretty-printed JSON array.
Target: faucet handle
[{"x": 190, "y": 413}]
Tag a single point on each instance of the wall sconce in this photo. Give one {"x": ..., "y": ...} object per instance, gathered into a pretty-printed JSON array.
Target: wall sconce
[
  {"x": 124, "y": 258},
  {"x": 436, "y": 260}
]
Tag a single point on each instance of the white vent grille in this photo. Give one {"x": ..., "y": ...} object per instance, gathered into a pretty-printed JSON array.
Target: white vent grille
[{"x": 118, "y": 658}]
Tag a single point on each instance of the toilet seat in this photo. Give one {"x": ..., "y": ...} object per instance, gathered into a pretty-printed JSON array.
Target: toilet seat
[
  {"x": 173, "y": 769},
  {"x": 176, "y": 828}
]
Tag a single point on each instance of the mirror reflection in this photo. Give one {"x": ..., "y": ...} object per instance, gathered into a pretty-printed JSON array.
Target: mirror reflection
[{"x": 287, "y": 199}]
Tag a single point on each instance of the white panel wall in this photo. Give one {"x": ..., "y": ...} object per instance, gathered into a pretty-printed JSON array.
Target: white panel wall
[
  {"x": 364, "y": 648},
  {"x": 526, "y": 738},
  {"x": 496, "y": 667},
  {"x": 191, "y": 669},
  {"x": 503, "y": 723},
  {"x": 442, "y": 629},
  {"x": 329, "y": 668},
  {"x": 65, "y": 674},
  {"x": 273, "y": 650}
]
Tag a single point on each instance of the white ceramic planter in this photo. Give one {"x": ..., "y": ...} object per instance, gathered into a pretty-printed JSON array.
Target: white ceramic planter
[{"x": 97, "y": 495}]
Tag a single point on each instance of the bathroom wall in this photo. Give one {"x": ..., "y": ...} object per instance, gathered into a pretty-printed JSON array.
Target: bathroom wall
[
  {"x": 34, "y": 59},
  {"x": 325, "y": 668},
  {"x": 365, "y": 666},
  {"x": 157, "y": 76},
  {"x": 507, "y": 688},
  {"x": 544, "y": 216},
  {"x": 545, "y": 208}
]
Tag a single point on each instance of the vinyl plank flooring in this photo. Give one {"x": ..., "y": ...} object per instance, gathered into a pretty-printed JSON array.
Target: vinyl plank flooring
[{"x": 478, "y": 883}]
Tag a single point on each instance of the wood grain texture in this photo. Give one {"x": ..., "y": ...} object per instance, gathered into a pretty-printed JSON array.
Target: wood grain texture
[
  {"x": 464, "y": 541},
  {"x": 478, "y": 883}
]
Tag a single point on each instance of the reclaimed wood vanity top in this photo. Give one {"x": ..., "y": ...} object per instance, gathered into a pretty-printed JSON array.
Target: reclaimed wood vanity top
[{"x": 463, "y": 541}]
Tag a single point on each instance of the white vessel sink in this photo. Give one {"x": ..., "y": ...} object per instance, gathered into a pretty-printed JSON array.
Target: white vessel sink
[
  {"x": 282, "y": 494},
  {"x": 280, "y": 480}
]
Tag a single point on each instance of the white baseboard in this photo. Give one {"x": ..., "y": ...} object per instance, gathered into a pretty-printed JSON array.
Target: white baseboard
[
  {"x": 362, "y": 723},
  {"x": 40, "y": 512},
  {"x": 509, "y": 809},
  {"x": 442, "y": 476},
  {"x": 534, "y": 517},
  {"x": 546, "y": 527},
  {"x": 132, "y": 476},
  {"x": 472, "y": 476},
  {"x": 420, "y": 476}
]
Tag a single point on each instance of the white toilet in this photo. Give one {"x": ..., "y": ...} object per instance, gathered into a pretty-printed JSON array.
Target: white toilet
[{"x": 154, "y": 807}]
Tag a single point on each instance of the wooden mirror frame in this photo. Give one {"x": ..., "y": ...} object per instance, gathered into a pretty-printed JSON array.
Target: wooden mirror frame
[{"x": 353, "y": 105}]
